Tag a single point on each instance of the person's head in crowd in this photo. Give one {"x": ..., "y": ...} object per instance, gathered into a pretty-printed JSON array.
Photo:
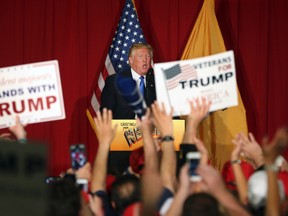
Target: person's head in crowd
[
  {"x": 257, "y": 191},
  {"x": 125, "y": 191},
  {"x": 201, "y": 204},
  {"x": 140, "y": 56},
  {"x": 64, "y": 198}
]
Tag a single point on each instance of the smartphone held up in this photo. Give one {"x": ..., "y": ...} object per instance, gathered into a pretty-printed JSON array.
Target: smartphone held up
[
  {"x": 78, "y": 156},
  {"x": 193, "y": 158},
  {"x": 78, "y": 160}
]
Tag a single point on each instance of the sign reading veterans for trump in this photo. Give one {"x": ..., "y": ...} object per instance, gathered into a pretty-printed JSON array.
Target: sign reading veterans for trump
[
  {"x": 31, "y": 91},
  {"x": 212, "y": 77}
]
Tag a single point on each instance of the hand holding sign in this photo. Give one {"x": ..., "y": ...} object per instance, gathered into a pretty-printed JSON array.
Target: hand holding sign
[
  {"x": 31, "y": 91},
  {"x": 18, "y": 129},
  {"x": 212, "y": 77}
]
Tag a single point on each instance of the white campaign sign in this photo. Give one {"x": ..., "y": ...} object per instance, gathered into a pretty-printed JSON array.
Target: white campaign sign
[
  {"x": 31, "y": 91},
  {"x": 212, "y": 77}
]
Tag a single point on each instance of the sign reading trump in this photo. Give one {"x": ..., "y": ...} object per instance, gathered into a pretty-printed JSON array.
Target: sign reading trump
[
  {"x": 211, "y": 77},
  {"x": 31, "y": 91}
]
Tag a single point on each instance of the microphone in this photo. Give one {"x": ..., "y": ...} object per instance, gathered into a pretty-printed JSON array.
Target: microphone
[
  {"x": 150, "y": 78},
  {"x": 127, "y": 87},
  {"x": 149, "y": 98}
]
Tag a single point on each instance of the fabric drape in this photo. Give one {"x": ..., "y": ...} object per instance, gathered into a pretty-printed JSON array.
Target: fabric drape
[
  {"x": 78, "y": 34},
  {"x": 219, "y": 128}
]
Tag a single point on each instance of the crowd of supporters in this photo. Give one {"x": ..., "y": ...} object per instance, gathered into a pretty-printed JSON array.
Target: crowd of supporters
[{"x": 158, "y": 181}]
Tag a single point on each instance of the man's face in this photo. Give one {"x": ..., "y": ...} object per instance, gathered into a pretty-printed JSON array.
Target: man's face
[{"x": 140, "y": 61}]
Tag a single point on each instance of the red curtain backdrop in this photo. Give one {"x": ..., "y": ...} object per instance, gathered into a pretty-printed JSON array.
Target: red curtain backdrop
[{"x": 78, "y": 33}]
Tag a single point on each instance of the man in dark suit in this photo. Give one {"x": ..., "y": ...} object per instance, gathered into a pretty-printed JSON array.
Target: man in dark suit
[{"x": 140, "y": 57}]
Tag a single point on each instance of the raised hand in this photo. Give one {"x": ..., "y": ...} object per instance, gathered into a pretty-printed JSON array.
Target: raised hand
[
  {"x": 84, "y": 172},
  {"x": 240, "y": 178},
  {"x": 18, "y": 129},
  {"x": 211, "y": 179},
  {"x": 252, "y": 151},
  {"x": 105, "y": 132},
  {"x": 276, "y": 146},
  {"x": 145, "y": 123},
  {"x": 198, "y": 111},
  {"x": 202, "y": 149},
  {"x": 215, "y": 185},
  {"x": 235, "y": 154},
  {"x": 162, "y": 120}
]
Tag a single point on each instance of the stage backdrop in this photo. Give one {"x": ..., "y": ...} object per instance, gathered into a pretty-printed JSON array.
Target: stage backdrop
[{"x": 78, "y": 35}]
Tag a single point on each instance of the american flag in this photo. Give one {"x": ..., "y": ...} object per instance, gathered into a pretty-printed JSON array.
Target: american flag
[
  {"x": 178, "y": 73},
  {"x": 128, "y": 32}
]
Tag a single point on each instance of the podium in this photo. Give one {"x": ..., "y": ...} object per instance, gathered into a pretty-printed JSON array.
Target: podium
[{"x": 129, "y": 137}]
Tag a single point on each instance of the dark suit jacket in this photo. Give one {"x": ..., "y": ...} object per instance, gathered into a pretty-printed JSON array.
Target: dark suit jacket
[{"x": 112, "y": 100}]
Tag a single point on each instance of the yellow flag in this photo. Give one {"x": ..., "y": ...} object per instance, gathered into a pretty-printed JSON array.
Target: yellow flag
[{"x": 219, "y": 128}]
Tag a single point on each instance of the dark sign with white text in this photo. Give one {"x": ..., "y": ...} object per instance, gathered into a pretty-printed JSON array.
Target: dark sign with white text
[{"x": 23, "y": 168}]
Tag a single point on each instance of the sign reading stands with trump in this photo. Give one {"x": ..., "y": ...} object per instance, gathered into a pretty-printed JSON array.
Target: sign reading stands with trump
[
  {"x": 31, "y": 91},
  {"x": 211, "y": 77}
]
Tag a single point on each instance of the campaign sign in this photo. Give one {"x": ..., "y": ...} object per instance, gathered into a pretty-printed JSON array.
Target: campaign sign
[
  {"x": 31, "y": 91},
  {"x": 212, "y": 77}
]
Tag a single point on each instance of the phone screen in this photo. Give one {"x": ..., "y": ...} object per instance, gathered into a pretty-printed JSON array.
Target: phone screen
[
  {"x": 78, "y": 156},
  {"x": 193, "y": 159}
]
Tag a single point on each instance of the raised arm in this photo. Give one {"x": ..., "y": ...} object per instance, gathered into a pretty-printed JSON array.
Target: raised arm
[
  {"x": 271, "y": 151},
  {"x": 198, "y": 111},
  {"x": 150, "y": 152},
  {"x": 237, "y": 170},
  {"x": 216, "y": 186},
  {"x": 163, "y": 122},
  {"x": 182, "y": 193},
  {"x": 251, "y": 149},
  {"x": 151, "y": 179},
  {"x": 105, "y": 133}
]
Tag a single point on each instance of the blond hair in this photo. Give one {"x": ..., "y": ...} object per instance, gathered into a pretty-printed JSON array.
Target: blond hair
[{"x": 139, "y": 46}]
